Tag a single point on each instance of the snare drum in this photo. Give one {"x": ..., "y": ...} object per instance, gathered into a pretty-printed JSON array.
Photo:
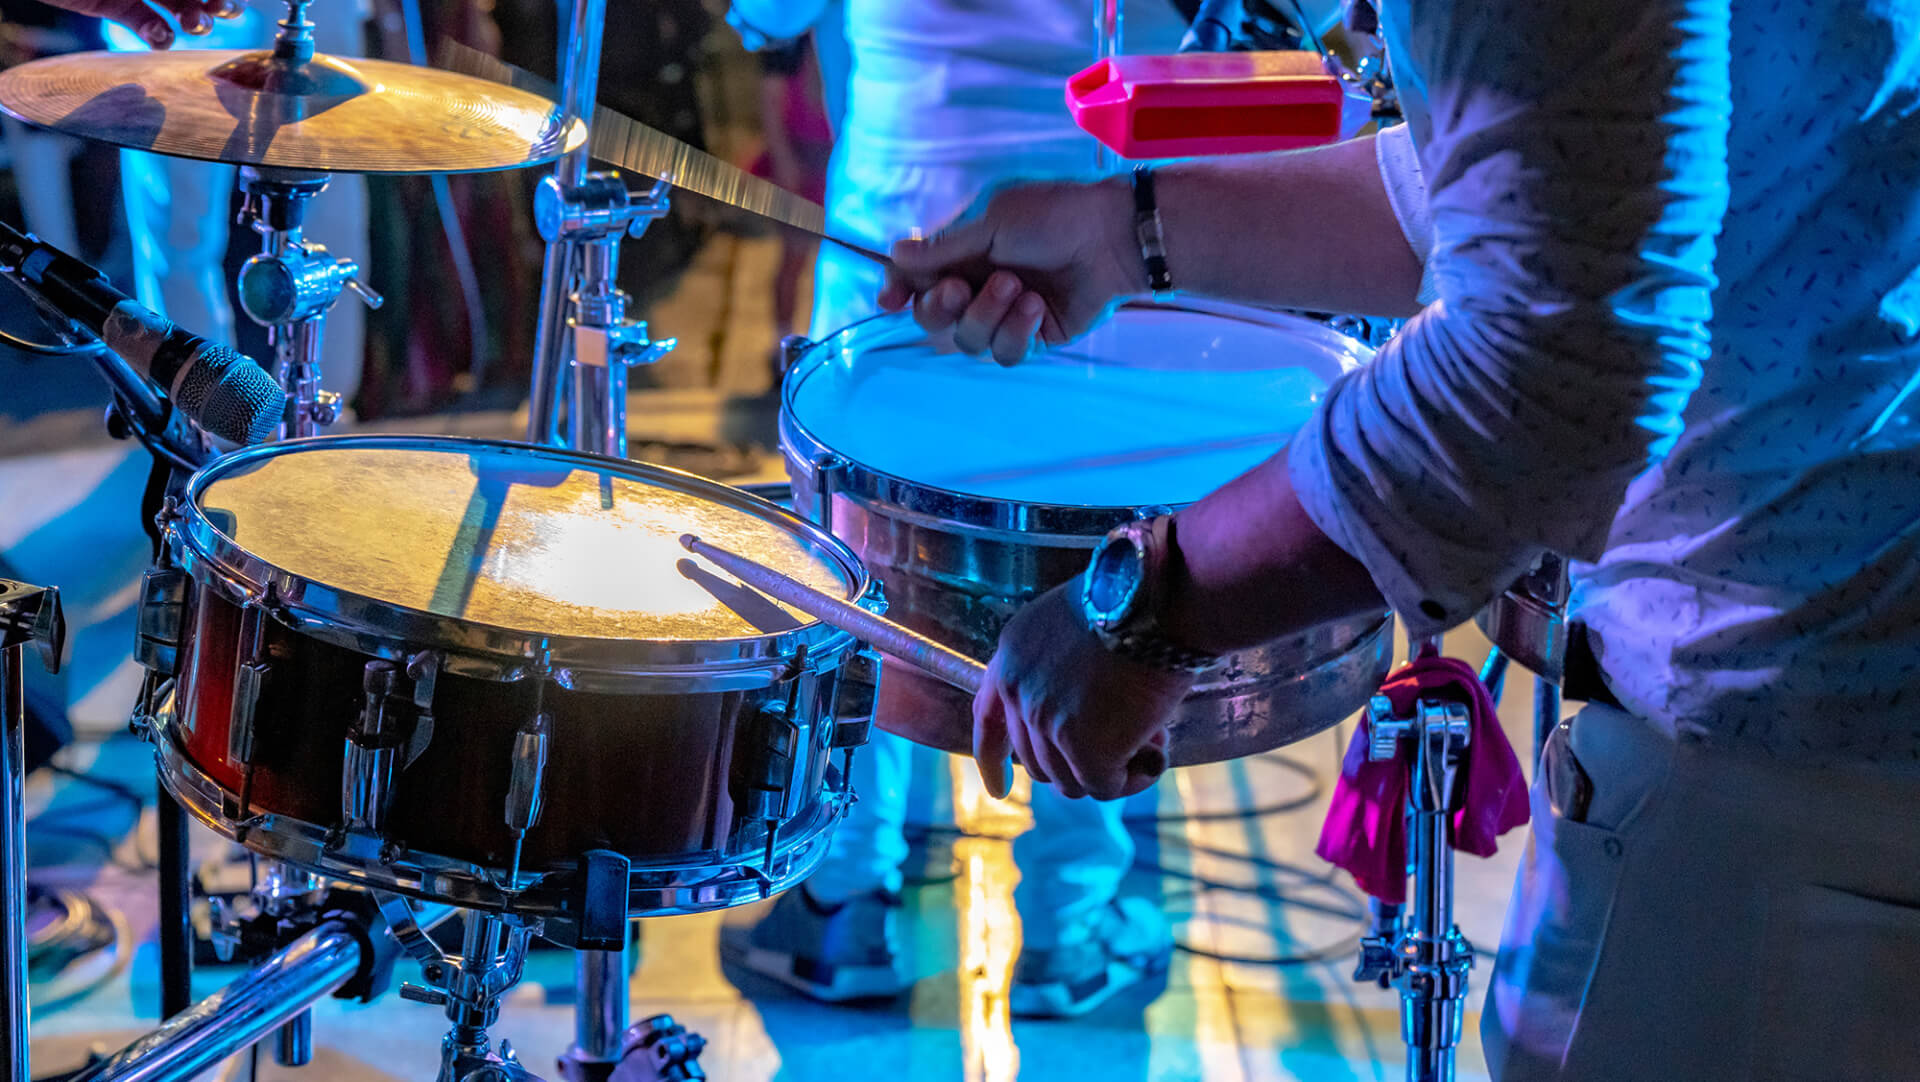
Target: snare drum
[
  {"x": 389, "y": 652},
  {"x": 968, "y": 489}
]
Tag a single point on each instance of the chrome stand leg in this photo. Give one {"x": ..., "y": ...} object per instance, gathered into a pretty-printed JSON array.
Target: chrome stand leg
[
  {"x": 27, "y": 614},
  {"x": 1426, "y": 956},
  {"x": 13, "y": 864},
  {"x": 599, "y": 1014},
  {"x": 235, "y": 1018}
]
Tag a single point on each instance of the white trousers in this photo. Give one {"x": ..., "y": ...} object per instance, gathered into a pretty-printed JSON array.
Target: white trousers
[
  {"x": 178, "y": 209},
  {"x": 1714, "y": 917},
  {"x": 1073, "y": 859}
]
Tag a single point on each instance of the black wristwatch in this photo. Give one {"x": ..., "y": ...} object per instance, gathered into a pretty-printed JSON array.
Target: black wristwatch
[{"x": 1123, "y": 593}]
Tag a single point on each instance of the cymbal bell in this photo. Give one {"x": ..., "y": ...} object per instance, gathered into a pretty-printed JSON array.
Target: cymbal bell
[{"x": 325, "y": 114}]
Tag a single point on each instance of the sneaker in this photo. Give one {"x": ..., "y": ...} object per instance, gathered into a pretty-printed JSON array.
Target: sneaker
[
  {"x": 1128, "y": 943},
  {"x": 832, "y": 953}
]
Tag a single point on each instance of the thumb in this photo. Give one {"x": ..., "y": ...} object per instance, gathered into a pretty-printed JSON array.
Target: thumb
[{"x": 946, "y": 252}]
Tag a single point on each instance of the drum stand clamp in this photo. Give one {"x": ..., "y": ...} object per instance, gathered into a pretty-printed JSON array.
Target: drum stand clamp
[
  {"x": 588, "y": 219},
  {"x": 291, "y": 285},
  {"x": 1427, "y": 956}
]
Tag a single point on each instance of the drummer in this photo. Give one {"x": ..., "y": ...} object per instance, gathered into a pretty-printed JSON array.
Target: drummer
[
  {"x": 1675, "y": 338},
  {"x": 938, "y": 101}
]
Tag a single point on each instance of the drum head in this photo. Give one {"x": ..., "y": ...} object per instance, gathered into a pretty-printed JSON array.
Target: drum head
[
  {"x": 1158, "y": 405},
  {"x": 541, "y": 542}
]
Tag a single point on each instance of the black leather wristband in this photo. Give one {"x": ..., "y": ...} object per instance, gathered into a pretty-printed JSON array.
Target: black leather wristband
[{"x": 1146, "y": 229}]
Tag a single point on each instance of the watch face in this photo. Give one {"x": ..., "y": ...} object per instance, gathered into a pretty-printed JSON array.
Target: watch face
[{"x": 1114, "y": 578}]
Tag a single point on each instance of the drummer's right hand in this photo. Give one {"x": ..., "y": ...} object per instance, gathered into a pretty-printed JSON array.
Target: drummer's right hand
[
  {"x": 196, "y": 16},
  {"x": 1038, "y": 261}
]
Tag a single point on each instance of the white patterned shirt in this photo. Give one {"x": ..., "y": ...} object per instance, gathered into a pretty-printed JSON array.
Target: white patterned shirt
[{"x": 1745, "y": 503}]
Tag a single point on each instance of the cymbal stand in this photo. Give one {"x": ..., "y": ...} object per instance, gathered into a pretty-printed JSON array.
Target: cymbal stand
[
  {"x": 585, "y": 341},
  {"x": 1426, "y": 956},
  {"x": 28, "y": 614},
  {"x": 290, "y": 286}
]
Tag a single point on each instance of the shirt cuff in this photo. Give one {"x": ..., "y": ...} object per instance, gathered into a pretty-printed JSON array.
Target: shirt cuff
[
  {"x": 1433, "y": 582},
  {"x": 1406, "y": 186}
]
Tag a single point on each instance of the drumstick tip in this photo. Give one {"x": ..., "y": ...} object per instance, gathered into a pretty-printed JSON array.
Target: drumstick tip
[{"x": 687, "y": 541}]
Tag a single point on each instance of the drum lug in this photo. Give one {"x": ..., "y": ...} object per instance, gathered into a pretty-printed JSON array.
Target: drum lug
[
  {"x": 827, "y": 470},
  {"x": 372, "y": 746},
  {"x": 424, "y": 669},
  {"x": 791, "y": 349},
  {"x": 250, "y": 680},
  {"x": 853, "y": 705},
  {"x": 160, "y": 619},
  {"x": 248, "y": 683},
  {"x": 772, "y": 749}
]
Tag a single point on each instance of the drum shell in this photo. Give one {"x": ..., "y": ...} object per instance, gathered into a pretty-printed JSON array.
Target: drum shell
[
  {"x": 960, "y": 585},
  {"x": 664, "y": 777}
]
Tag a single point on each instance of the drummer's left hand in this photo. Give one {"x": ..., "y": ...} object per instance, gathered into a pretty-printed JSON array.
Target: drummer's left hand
[{"x": 1074, "y": 712}]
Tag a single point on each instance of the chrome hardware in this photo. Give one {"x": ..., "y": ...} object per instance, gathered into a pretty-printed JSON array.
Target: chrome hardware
[
  {"x": 1384, "y": 730},
  {"x": 248, "y": 681},
  {"x": 791, "y": 347},
  {"x": 526, "y": 791},
  {"x": 424, "y": 669},
  {"x": 1425, "y": 954},
  {"x": 421, "y": 994},
  {"x": 372, "y": 748},
  {"x": 27, "y": 614},
  {"x": 826, "y": 468},
  {"x": 584, "y": 330},
  {"x": 160, "y": 620},
  {"x": 291, "y": 285}
]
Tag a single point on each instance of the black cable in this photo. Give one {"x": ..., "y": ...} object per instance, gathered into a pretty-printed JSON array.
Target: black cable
[{"x": 119, "y": 789}]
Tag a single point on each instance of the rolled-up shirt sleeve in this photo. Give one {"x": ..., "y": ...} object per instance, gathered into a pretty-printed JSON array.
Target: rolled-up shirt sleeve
[{"x": 1575, "y": 173}]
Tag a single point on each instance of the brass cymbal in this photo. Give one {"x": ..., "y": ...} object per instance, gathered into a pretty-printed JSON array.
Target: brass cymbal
[{"x": 327, "y": 114}]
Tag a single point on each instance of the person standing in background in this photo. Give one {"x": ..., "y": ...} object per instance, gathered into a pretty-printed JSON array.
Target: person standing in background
[
  {"x": 942, "y": 101},
  {"x": 799, "y": 141}
]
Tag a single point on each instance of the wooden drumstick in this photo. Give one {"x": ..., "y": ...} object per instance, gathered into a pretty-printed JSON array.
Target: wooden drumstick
[{"x": 887, "y": 636}]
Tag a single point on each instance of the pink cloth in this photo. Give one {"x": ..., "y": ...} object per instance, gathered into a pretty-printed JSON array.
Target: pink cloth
[{"x": 1366, "y": 827}]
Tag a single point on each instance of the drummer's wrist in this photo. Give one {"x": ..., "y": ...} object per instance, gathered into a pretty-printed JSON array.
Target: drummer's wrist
[{"x": 1124, "y": 274}]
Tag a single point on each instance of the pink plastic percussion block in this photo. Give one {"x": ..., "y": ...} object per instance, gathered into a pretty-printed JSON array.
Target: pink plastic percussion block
[{"x": 1214, "y": 103}]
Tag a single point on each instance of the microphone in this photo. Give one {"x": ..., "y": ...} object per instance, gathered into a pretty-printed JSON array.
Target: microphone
[{"x": 222, "y": 390}]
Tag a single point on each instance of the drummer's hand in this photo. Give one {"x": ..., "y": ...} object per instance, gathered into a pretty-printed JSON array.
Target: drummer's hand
[
  {"x": 1074, "y": 712},
  {"x": 1039, "y": 259},
  {"x": 196, "y": 16}
]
